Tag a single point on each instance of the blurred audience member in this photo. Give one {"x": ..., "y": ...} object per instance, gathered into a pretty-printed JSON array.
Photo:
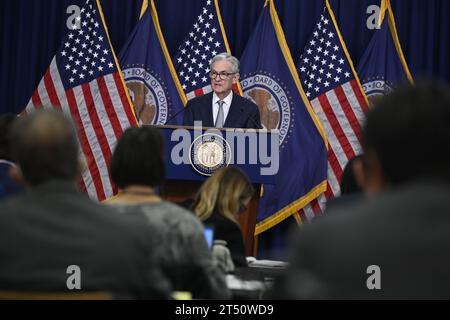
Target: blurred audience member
[
  {"x": 137, "y": 167},
  {"x": 53, "y": 226},
  {"x": 349, "y": 181},
  {"x": 7, "y": 185},
  {"x": 220, "y": 201},
  {"x": 396, "y": 244}
]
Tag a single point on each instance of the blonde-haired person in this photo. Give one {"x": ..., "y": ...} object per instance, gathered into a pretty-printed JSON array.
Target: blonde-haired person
[{"x": 220, "y": 201}]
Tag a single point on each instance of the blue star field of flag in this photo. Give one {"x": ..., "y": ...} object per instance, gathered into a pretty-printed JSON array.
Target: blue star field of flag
[
  {"x": 85, "y": 54},
  {"x": 323, "y": 65},
  {"x": 203, "y": 43}
]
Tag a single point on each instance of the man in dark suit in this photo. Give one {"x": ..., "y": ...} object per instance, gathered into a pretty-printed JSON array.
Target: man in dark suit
[
  {"x": 396, "y": 244},
  {"x": 53, "y": 230},
  {"x": 222, "y": 108}
]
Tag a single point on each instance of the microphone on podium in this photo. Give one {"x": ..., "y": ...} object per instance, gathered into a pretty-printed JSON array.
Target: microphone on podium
[
  {"x": 176, "y": 114},
  {"x": 257, "y": 125}
]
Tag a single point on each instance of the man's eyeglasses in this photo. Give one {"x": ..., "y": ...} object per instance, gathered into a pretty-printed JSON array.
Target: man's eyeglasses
[{"x": 222, "y": 75}]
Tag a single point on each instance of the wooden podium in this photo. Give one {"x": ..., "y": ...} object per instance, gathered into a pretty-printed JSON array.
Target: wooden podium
[{"x": 183, "y": 179}]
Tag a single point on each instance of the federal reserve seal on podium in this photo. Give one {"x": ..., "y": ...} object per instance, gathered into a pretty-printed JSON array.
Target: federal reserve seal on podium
[{"x": 208, "y": 153}]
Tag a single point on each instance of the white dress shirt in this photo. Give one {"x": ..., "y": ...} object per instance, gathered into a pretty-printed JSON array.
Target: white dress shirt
[{"x": 226, "y": 106}]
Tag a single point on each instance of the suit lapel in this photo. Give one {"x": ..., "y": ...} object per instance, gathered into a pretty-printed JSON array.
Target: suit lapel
[
  {"x": 233, "y": 114},
  {"x": 208, "y": 113}
]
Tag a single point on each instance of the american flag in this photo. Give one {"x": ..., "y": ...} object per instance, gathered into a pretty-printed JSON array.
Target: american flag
[
  {"x": 206, "y": 39},
  {"x": 333, "y": 88},
  {"x": 84, "y": 81}
]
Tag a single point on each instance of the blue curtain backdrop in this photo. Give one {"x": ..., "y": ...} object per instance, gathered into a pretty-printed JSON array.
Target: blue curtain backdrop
[{"x": 31, "y": 32}]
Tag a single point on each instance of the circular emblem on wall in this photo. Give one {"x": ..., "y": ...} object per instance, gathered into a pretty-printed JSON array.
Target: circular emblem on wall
[
  {"x": 147, "y": 94},
  {"x": 208, "y": 153},
  {"x": 273, "y": 100},
  {"x": 376, "y": 88}
]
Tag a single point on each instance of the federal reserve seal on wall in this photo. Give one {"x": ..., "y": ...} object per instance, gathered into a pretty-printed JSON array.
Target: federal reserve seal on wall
[
  {"x": 208, "y": 153},
  {"x": 274, "y": 102},
  {"x": 147, "y": 94},
  {"x": 375, "y": 88}
]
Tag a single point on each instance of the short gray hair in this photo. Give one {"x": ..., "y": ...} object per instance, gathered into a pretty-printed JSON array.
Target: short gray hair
[{"x": 227, "y": 57}]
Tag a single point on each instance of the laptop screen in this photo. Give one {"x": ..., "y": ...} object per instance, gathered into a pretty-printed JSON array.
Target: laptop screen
[{"x": 209, "y": 235}]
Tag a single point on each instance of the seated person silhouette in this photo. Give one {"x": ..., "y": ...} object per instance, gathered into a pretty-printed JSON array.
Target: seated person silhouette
[
  {"x": 394, "y": 245},
  {"x": 137, "y": 167},
  {"x": 53, "y": 227}
]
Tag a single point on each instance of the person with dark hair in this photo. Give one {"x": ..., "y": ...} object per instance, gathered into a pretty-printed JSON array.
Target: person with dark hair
[
  {"x": 220, "y": 201},
  {"x": 7, "y": 185},
  {"x": 45, "y": 147},
  {"x": 349, "y": 181},
  {"x": 396, "y": 244},
  {"x": 137, "y": 167},
  {"x": 53, "y": 228},
  {"x": 138, "y": 160}
]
